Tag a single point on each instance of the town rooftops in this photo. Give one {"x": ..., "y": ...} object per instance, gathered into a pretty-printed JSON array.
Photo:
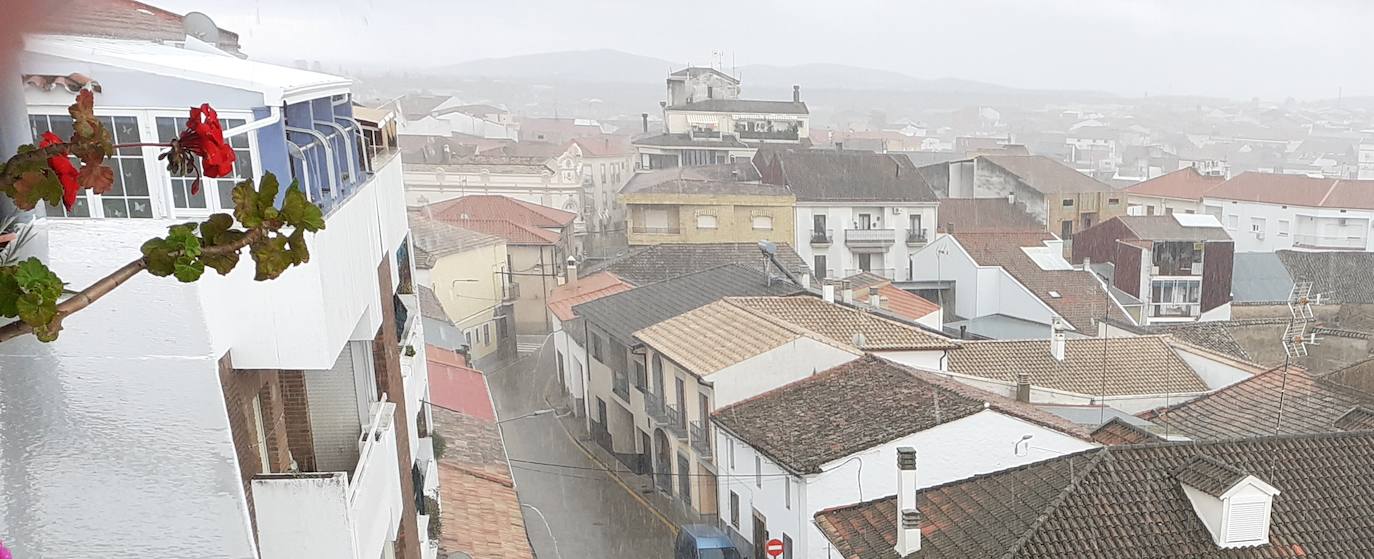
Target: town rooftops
[
  {"x": 1250, "y": 407},
  {"x": 1128, "y": 366},
  {"x": 126, "y": 19},
  {"x": 1338, "y": 276},
  {"x": 720, "y": 334},
  {"x": 1297, "y": 190},
  {"x": 1046, "y": 175},
  {"x": 590, "y": 288},
  {"x": 430, "y": 306},
  {"x": 655, "y": 263},
  {"x": 606, "y": 145},
  {"x": 844, "y": 324},
  {"x": 691, "y": 70},
  {"x": 1183, "y": 184},
  {"x": 435, "y": 239},
  {"x": 726, "y": 141},
  {"x": 833, "y": 175},
  {"x": 739, "y": 179},
  {"x": 1176, "y": 227},
  {"x": 858, "y": 405},
  {"x": 1125, "y": 502},
  {"x": 623, "y": 314},
  {"x": 276, "y": 84},
  {"x": 893, "y": 299},
  {"x": 748, "y": 106},
  {"x": 1075, "y": 295},
  {"x": 985, "y": 215},
  {"x": 1259, "y": 277},
  {"x": 517, "y": 221}
]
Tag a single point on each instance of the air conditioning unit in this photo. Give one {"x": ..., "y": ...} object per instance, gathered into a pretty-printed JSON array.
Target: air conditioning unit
[{"x": 896, "y": 211}]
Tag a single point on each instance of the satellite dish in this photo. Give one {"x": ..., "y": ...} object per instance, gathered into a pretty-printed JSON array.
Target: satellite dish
[
  {"x": 200, "y": 26},
  {"x": 768, "y": 247}
]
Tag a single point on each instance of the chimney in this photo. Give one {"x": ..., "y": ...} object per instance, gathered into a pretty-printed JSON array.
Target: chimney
[
  {"x": 1057, "y": 344},
  {"x": 796, "y": 94},
  {"x": 828, "y": 293},
  {"x": 908, "y": 517},
  {"x": 805, "y": 280},
  {"x": 847, "y": 294},
  {"x": 572, "y": 272},
  {"x": 1023, "y": 388},
  {"x": 874, "y": 300},
  {"x": 645, "y": 117},
  {"x": 1011, "y": 197},
  {"x": 1087, "y": 263},
  {"x": 839, "y": 146}
]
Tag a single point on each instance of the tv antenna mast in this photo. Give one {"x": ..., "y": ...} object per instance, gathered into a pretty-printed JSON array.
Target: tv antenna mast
[{"x": 1297, "y": 336}]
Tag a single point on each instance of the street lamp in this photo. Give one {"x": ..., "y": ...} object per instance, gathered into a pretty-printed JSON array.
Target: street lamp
[{"x": 534, "y": 413}]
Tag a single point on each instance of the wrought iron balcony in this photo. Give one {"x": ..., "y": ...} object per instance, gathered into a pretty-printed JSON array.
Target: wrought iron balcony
[
  {"x": 676, "y": 424},
  {"x": 822, "y": 236},
  {"x": 916, "y": 236},
  {"x": 701, "y": 439},
  {"x": 654, "y": 406},
  {"x": 870, "y": 238}
]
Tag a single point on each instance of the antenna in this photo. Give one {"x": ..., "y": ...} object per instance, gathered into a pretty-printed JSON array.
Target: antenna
[
  {"x": 1296, "y": 336},
  {"x": 200, "y": 26}
]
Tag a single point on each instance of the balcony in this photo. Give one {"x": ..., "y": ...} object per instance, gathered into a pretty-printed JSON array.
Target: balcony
[
  {"x": 698, "y": 134},
  {"x": 1175, "y": 310},
  {"x": 510, "y": 291},
  {"x": 916, "y": 237},
  {"x": 653, "y": 405},
  {"x": 886, "y": 273},
  {"x": 701, "y": 439},
  {"x": 335, "y": 514},
  {"x": 1339, "y": 242},
  {"x": 790, "y": 135},
  {"x": 821, "y": 237},
  {"x": 870, "y": 238},
  {"x": 676, "y": 424},
  {"x": 620, "y": 384}
]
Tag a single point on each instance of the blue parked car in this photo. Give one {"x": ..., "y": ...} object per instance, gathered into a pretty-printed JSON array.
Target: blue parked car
[{"x": 699, "y": 541}]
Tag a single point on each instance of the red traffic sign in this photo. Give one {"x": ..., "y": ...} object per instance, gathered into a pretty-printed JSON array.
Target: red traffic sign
[{"x": 774, "y": 547}]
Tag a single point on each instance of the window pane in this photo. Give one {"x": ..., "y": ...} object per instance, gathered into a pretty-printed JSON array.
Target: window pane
[
  {"x": 134, "y": 176},
  {"x": 118, "y": 188},
  {"x": 140, "y": 207},
  {"x": 226, "y": 198},
  {"x": 197, "y": 199},
  {"x": 178, "y": 193},
  {"x": 167, "y": 128},
  {"x": 61, "y": 125},
  {"x": 114, "y": 207},
  {"x": 240, "y": 141},
  {"x": 126, "y": 131}
]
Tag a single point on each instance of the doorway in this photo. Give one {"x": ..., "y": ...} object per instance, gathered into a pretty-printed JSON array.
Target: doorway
[
  {"x": 663, "y": 467},
  {"x": 684, "y": 480},
  {"x": 760, "y": 536}
]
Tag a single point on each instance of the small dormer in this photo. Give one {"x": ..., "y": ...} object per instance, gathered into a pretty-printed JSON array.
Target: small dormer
[{"x": 1235, "y": 506}]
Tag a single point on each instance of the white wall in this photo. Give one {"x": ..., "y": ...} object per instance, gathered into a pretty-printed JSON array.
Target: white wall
[
  {"x": 305, "y": 517},
  {"x": 1213, "y": 371},
  {"x": 979, "y": 290},
  {"x": 1131, "y": 404},
  {"x": 1247, "y": 241},
  {"x": 838, "y": 218},
  {"x": 930, "y": 360},
  {"x": 789, "y": 362},
  {"x": 980, "y": 443}
]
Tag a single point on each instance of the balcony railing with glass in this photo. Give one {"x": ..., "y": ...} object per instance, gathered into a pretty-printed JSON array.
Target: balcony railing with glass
[
  {"x": 916, "y": 236},
  {"x": 348, "y": 514},
  {"x": 701, "y": 439},
  {"x": 822, "y": 236},
  {"x": 676, "y": 424},
  {"x": 1348, "y": 242},
  {"x": 870, "y": 237}
]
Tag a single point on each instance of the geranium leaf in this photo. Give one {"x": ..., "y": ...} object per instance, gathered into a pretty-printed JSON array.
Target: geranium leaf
[{"x": 98, "y": 178}]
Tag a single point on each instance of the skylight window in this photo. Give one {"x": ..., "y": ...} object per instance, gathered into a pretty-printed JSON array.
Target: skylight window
[{"x": 1055, "y": 294}]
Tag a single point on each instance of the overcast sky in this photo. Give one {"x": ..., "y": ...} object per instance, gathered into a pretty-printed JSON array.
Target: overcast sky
[{"x": 1235, "y": 48}]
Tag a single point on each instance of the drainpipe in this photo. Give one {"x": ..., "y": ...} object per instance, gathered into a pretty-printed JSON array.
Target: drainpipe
[
  {"x": 273, "y": 117},
  {"x": 14, "y": 132}
]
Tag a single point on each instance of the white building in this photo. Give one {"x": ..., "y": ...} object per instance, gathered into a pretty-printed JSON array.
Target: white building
[
  {"x": 1178, "y": 191},
  {"x": 227, "y": 417},
  {"x": 545, "y": 175},
  {"x": 1269, "y": 212},
  {"x": 832, "y": 439},
  {"x": 856, "y": 211}
]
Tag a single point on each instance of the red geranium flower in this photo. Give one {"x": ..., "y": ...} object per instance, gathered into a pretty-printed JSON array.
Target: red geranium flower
[
  {"x": 66, "y": 172},
  {"x": 204, "y": 137}
]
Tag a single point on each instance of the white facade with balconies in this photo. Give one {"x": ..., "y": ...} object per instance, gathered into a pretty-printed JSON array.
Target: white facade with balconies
[
  {"x": 134, "y": 444},
  {"x": 843, "y": 239}
]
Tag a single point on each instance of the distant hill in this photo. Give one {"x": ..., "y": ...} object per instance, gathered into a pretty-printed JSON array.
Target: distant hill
[
  {"x": 841, "y": 76},
  {"x": 601, "y": 66}
]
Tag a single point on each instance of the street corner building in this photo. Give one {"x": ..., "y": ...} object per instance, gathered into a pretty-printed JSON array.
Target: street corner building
[{"x": 228, "y": 417}]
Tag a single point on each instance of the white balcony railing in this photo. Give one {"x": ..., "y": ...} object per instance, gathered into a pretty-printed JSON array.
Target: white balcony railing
[
  {"x": 335, "y": 514},
  {"x": 870, "y": 237},
  {"x": 1330, "y": 241}
]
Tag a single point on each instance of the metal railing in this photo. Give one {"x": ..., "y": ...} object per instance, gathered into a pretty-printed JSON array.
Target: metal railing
[
  {"x": 916, "y": 236},
  {"x": 1175, "y": 310},
  {"x": 654, "y": 406},
  {"x": 1330, "y": 241},
  {"x": 620, "y": 384},
  {"x": 706, "y": 134},
  {"x": 822, "y": 237},
  {"x": 870, "y": 237},
  {"x": 675, "y": 421},
  {"x": 511, "y": 291},
  {"x": 701, "y": 439}
]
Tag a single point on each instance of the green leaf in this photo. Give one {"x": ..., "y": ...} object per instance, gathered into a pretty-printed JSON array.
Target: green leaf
[
  {"x": 34, "y": 277},
  {"x": 271, "y": 258},
  {"x": 216, "y": 225},
  {"x": 188, "y": 269},
  {"x": 36, "y": 310},
  {"x": 297, "y": 211},
  {"x": 246, "y": 204},
  {"x": 158, "y": 256},
  {"x": 300, "y": 253},
  {"x": 9, "y": 294}
]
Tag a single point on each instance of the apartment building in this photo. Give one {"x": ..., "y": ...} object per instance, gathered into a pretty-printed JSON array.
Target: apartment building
[
  {"x": 465, "y": 272},
  {"x": 713, "y": 204},
  {"x": 1179, "y": 191},
  {"x": 227, "y": 417},
  {"x": 1267, "y": 212}
]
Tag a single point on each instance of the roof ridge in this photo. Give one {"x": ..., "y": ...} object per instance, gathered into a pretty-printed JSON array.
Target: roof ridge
[
  {"x": 1329, "y": 189},
  {"x": 1058, "y": 500},
  {"x": 1154, "y": 413},
  {"x": 797, "y": 329},
  {"x": 814, "y": 377}
]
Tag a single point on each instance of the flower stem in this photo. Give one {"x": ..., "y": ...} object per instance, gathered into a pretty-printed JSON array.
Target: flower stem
[{"x": 142, "y": 145}]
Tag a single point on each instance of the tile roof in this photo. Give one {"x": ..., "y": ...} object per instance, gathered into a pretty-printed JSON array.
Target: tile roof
[
  {"x": 717, "y": 335},
  {"x": 740, "y": 178},
  {"x": 1082, "y": 300},
  {"x": 434, "y": 239},
  {"x": 1212, "y": 335},
  {"x": 988, "y": 215},
  {"x": 1250, "y": 407},
  {"x": 125, "y": 19},
  {"x": 1124, "y": 502},
  {"x": 841, "y": 323},
  {"x": 1117, "y": 431},
  {"x": 1134, "y": 366},
  {"x": 1259, "y": 277},
  {"x": 1359, "y": 418},
  {"x": 1168, "y": 228},
  {"x": 1185, "y": 183},
  {"x": 481, "y": 512},
  {"x": 893, "y": 299},
  {"x": 1210, "y": 475},
  {"x": 512, "y": 232},
  {"x": 654, "y": 263},
  {"x": 1339, "y": 276},
  {"x": 744, "y": 106},
  {"x": 430, "y": 307},
  {"x": 491, "y": 206},
  {"x": 686, "y": 140},
  {"x": 564, "y": 297},
  {"x": 1297, "y": 190},
  {"x": 832, "y": 175},
  {"x": 859, "y": 405},
  {"x": 606, "y": 145},
  {"x": 623, "y": 314},
  {"x": 1047, "y": 175}
]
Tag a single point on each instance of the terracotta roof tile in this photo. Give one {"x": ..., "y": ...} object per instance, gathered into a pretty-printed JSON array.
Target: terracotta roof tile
[
  {"x": 1251, "y": 407},
  {"x": 1297, "y": 190},
  {"x": 125, "y": 19},
  {"x": 1210, "y": 475},
  {"x": 859, "y": 405},
  {"x": 490, "y": 206},
  {"x": 430, "y": 306},
  {"x": 716, "y": 335},
  {"x": 481, "y": 512},
  {"x": 1046, "y": 175},
  {"x": 590, "y": 288},
  {"x": 1125, "y": 502},
  {"x": 842, "y": 323},
  {"x": 1185, "y": 183},
  {"x": 1117, "y": 431},
  {"x": 1134, "y": 365},
  {"x": 434, "y": 239},
  {"x": 988, "y": 215},
  {"x": 656, "y": 263},
  {"x": 893, "y": 299}
]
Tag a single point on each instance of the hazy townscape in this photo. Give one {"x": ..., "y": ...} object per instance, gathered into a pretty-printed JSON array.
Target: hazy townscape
[{"x": 715, "y": 281}]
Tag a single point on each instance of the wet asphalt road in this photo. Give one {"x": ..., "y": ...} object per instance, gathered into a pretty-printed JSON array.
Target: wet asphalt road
[{"x": 589, "y": 515}]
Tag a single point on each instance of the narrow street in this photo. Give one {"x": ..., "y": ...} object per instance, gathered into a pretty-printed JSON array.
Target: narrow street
[{"x": 589, "y": 514}]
